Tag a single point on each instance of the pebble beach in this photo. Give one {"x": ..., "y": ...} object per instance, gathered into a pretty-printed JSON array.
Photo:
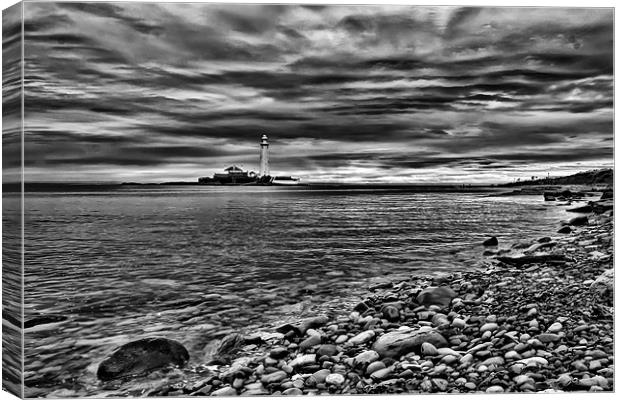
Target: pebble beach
[{"x": 535, "y": 316}]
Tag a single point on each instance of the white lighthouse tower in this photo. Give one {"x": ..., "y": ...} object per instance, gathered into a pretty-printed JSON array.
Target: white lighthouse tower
[{"x": 264, "y": 156}]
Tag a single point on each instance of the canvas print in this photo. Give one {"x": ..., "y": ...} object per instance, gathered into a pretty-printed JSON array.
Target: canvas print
[{"x": 219, "y": 199}]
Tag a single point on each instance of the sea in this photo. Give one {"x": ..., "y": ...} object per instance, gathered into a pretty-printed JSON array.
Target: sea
[{"x": 193, "y": 263}]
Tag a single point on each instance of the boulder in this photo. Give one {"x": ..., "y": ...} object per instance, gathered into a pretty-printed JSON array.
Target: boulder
[
  {"x": 490, "y": 242},
  {"x": 440, "y": 296},
  {"x": 397, "y": 343},
  {"x": 141, "y": 356}
]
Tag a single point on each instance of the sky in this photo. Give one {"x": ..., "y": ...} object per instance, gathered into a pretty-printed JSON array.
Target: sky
[{"x": 160, "y": 92}]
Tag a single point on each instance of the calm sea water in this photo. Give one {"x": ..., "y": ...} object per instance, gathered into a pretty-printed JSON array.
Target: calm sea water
[{"x": 194, "y": 263}]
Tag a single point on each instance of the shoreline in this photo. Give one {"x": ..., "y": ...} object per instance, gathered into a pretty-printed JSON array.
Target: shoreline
[{"x": 534, "y": 318}]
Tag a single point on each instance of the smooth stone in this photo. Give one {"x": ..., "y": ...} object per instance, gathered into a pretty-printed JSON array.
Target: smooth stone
[
  {"x": 495, "y": 389},
  {"x": 366, "y": 358},
  {"x": 327, "y": 350},
  {"x": 441, "y": 296},
  {"x": 293, "y": 392},
  {"x": 391, "y": 313},
  {"x": 555, "y": 327},
  {"x": 225, "y": 391},
  {"x": 274, "y": 377},
  {"x": 493, "y": 361},
  {"x": 362, "y": 337},
  {"x": 319, "y": 376},
  {"x": 440, "y": 384},
  {"x": 341, "y": 339},
  {"x": 335, "y": 379},
  {"x": 488, "y": 327},
  {"x": 470, "y": 385},
  {"x": 309, "y": 342},
  {"x": 548, "y": 337},
  {"x": 512, "y": 355},
  {"x": 458, "y": 323},
  {"x": 301, "y": 360},
  {"x": 375, "y": 366},
  {"x": 382, "y": 374},
  {"x": 400, "y": 342},
  {"x": 278, "y": 353},
  {"x": 428, "y": 349}
]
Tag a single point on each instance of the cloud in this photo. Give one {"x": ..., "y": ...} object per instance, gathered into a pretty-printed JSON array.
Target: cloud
[{"x": 344, "y": 92}]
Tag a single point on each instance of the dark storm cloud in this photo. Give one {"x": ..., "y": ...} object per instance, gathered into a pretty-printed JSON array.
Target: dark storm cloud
[{"x": 179, "y": 90}]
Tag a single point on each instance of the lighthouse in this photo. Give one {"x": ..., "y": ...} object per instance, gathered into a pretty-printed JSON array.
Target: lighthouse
[{"x": 264, "y": 156}]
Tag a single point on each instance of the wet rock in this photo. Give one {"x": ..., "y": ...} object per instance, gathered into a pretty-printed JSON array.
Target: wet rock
[
  {"x": 223, "y": 351},
  {"x": 490, "y": 242},
  {"x": 441, "y": 296},
  {"x": 142, "y": 356},
  {"x": 400, "y": 342},
  {"x": 548, "y": 337}
]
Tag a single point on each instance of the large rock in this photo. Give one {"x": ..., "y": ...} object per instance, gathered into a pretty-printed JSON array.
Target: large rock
[
  {"x": 142, "y": 356},
  {"x": 440, "y": 296},
  {"x": 397, "y": 343},
  {"x": 578, "y": 221}
]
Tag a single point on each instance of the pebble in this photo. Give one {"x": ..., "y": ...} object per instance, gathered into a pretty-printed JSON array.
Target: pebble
[
  {"x": 555, "y": 327},
  {"x": 489, "y": 326},
  {"x": 278, "y": 352},
  {"x": 362, "y": 337},
  {"x": 375, "y": 366},
  {"x": 548, "y": 337},
  {"x": 301, "y": 360},
  {"x": 428, "y": 349},
  {"x": 335, "y": 379},
  {"x": 495, "y": 389},
  {"x": 274, "y": 377},
  {"x": 310, "y": 342},
  {"x": 458, "y": 323},
  {"x": 225, "y": 391},
  {"x": 292, "y": 392},
  {"x": 366, "y": 357}
]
